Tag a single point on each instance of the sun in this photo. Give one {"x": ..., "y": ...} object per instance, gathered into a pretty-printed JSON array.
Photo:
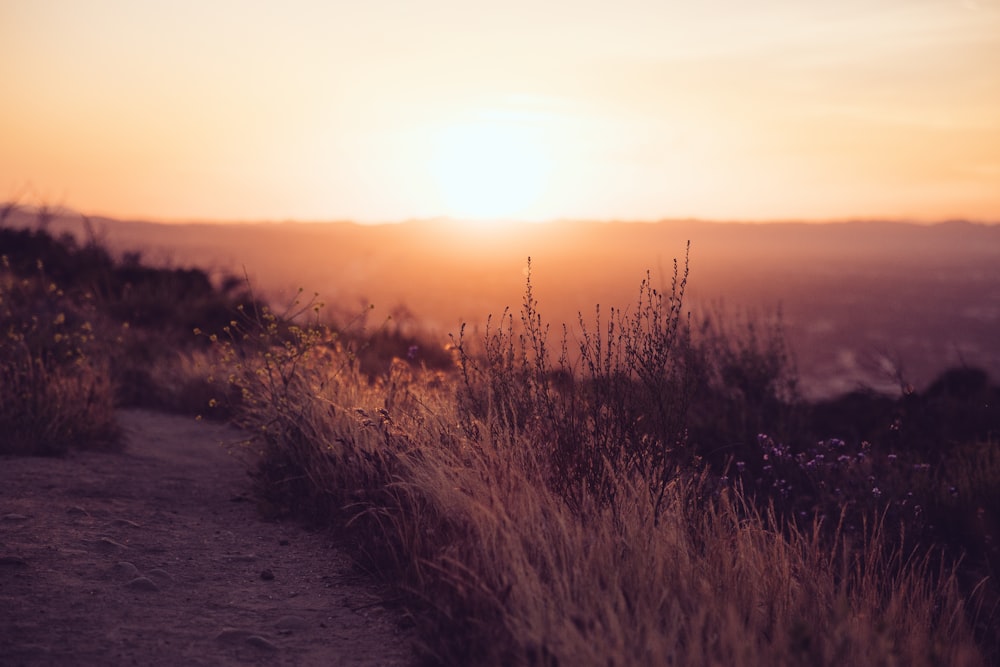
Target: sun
[{"x": 486, "y": 170}]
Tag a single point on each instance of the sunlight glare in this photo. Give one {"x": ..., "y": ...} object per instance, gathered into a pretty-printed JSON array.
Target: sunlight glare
[{"x": 490, "y": 169}]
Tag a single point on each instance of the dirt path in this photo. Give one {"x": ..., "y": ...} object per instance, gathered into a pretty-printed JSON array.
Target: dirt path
[{"x": 156, "y": 557}]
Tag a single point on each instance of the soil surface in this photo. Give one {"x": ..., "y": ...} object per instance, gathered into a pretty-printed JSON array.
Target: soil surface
[{"x": 158, "y": 556}]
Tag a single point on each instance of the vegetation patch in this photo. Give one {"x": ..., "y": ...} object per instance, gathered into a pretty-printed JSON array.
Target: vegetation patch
[
  {"x": 82, "y": 333},
  {"x": 623, "y": 502},
  {"x": 55, "y": 384}
]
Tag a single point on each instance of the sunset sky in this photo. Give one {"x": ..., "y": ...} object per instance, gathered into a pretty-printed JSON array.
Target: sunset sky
[{"x": 385, "y": 110}]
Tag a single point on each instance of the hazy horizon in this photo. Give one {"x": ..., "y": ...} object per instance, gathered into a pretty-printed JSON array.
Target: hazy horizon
[
  {"x": 485, "y": 225},
  {"x": 855, "y": 298}
]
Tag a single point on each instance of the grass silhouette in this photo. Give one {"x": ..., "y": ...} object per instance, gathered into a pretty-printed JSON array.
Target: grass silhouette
[
  {"x": 544, "y": 508},
  {"x": 84, "y": 332}
]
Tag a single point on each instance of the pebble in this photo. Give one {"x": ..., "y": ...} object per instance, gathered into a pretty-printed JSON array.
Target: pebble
[
  {"x": 160, "y": 575},
  {"x": 106, "y": 543},
  {"x": 143, "y": 584},
  {"x": 261, "y": 642},
  {"x": 126, "y": 569},
  {"x": 14, "y": 517}
]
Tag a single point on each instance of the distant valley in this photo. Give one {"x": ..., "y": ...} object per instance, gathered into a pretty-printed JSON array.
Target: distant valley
[{"x": 859, "y": 300}]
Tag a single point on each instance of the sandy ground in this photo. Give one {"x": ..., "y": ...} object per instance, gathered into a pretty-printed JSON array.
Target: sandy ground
[{"x": 158, "y": 557}]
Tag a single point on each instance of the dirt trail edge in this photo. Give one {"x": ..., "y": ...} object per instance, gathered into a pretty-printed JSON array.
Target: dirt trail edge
[{"x": 158, "y": 557}]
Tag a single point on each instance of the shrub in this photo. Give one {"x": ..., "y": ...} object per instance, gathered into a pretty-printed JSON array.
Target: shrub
[
  {"x": 55, "y": 389},
  {"x": 146, "y": 315},
  {"x": 747, "y": 385},
  {"x": 616, "y": 407}
]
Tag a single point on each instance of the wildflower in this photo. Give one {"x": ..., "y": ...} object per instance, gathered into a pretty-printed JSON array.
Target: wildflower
[
  {"x": 892, "y": 457},
  {"x": 953, "y": 491},
  {"x": 877, "y": 492},
  {"x": 740, "y": 465}
]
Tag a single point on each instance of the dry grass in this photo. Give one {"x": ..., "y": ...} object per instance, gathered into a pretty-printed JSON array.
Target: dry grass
[
  {"x": 506, "y": 567},
  {"x": 82, "y": 333},
  {"x": 55, "y": 387}
]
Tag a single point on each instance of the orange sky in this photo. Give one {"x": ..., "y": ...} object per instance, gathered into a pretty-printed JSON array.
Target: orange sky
[{"x": 384, "y": 110}]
